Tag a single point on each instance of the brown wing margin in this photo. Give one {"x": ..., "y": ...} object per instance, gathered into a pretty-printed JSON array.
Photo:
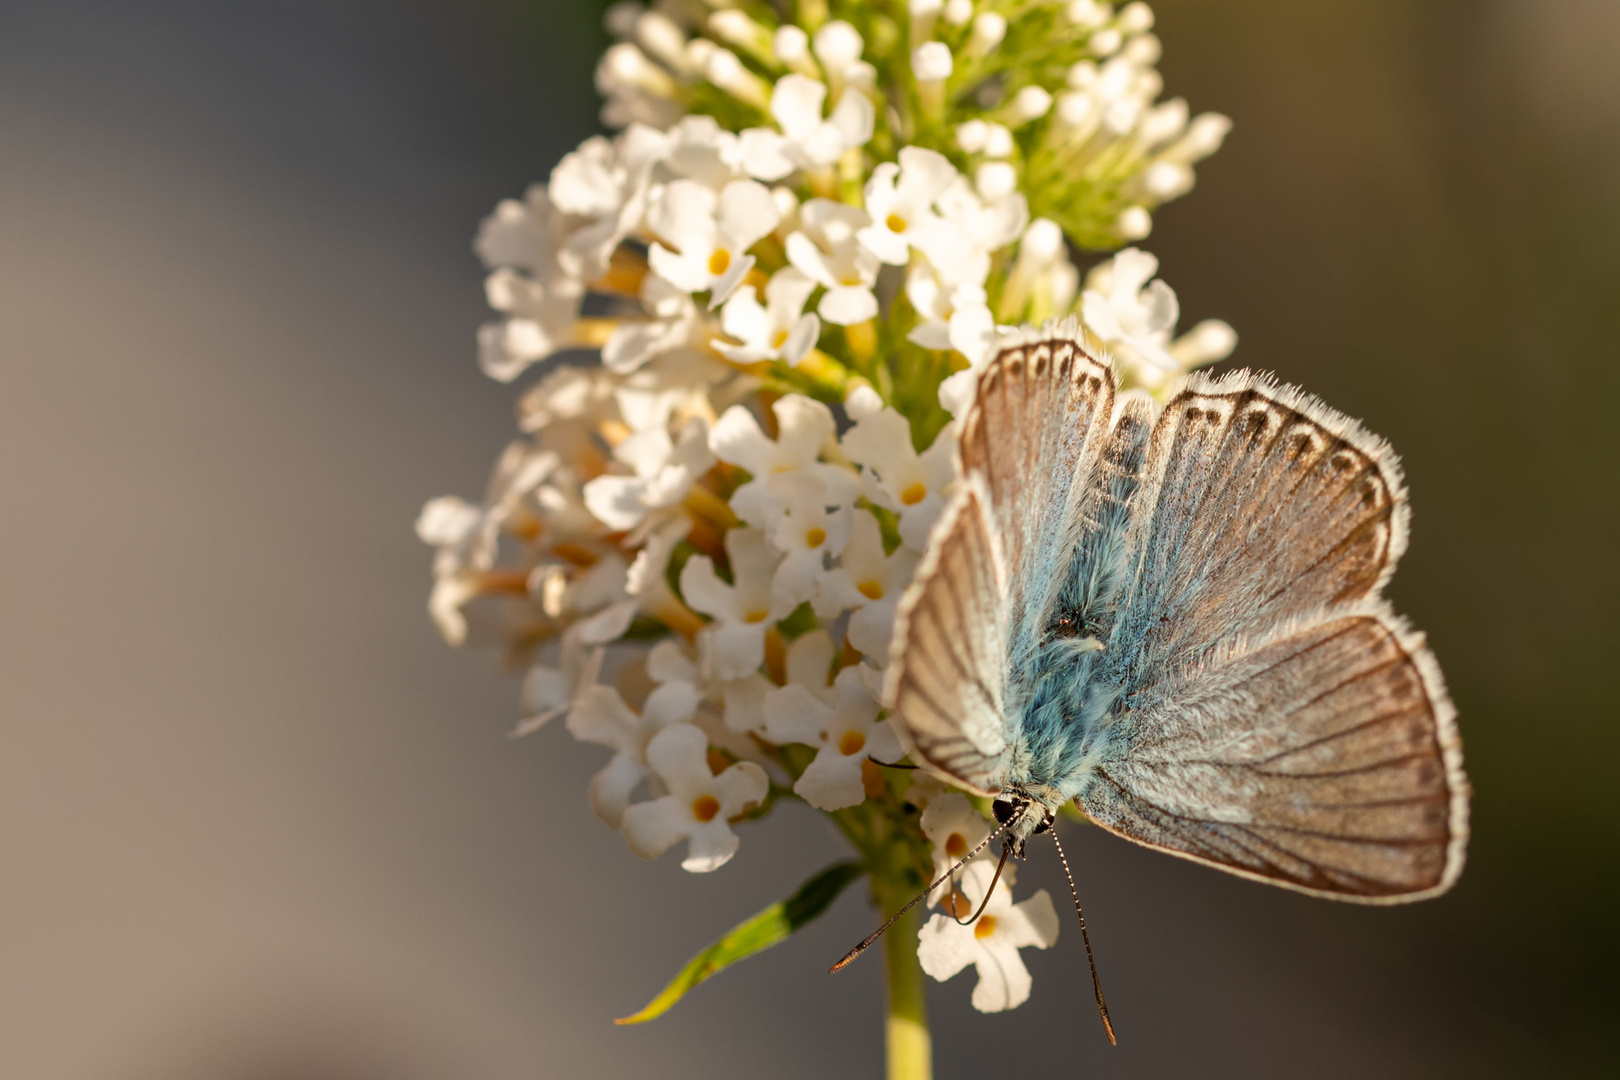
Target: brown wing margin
[
  {"x": 1325, "y": 760},
  {"x": 945, "y": 687}
]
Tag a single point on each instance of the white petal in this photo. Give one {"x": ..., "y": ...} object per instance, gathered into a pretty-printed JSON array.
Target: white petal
[
  {"x": 725, "y": 283},
  {"x": 944, "y": 948},
  {"x": 609, "y": 793},
  {"x": 744, "y": 317},
  {"x": 888, "y": 246},
  {"x": 934, "y": 334},
  {"x": 712, "y": 846},
  {"x": 796, "y": 104},
  {"x": 607, "y": 625},
  {"x": 872, "y": 627},
  {"x": 862, "y": 402},
  {"x": 786, "y": 293},
  {"x": 832, "y": 781},
  {"x": 1004, "y": 981},
  {"x": 688, "y": 274},
  {"x": 652, "y": 828},
  {"x": 854, "y": 118},
  {"x": 740, "y": 787},
  {"x": 795, "y": 715},
  {"x": 764, "y": 154},
  {"x": 925, "y": 173},
  {"x": 615, "y": 501},
  {"x": 737, "y": 439},
  {"x": 746, "y": 212},
  {"x": 801, "y": 339},
  {"x": 703, "y": 590},
  {"x": 846, "y": 305},
  {"x": 809, "y": 259},
  {"x": 739, "y": 649}
]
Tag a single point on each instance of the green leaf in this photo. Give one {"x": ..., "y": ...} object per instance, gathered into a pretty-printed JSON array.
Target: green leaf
[{"x": 768, "y": 928}]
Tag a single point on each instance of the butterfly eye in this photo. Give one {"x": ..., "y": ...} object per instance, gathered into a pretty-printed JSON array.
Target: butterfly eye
[{"x": 1003, "y": 810}]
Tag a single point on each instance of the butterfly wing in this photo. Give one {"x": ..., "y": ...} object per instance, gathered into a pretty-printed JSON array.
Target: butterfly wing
[
  {"x": 1324, "y": 758},
  {"x": 946, "y": 686},
  {"x": 1280, "y": 722},
  {"x": 997, "y": 554}
]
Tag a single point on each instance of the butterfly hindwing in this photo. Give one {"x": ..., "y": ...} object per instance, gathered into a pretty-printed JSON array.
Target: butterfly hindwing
[{"x": 1324, "y": 757}]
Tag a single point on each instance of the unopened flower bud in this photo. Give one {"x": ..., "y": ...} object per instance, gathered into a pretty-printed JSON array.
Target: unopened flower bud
[
  {"x": 958, "y": 12},
  {"x": 1209, "y": 341},
  {"x": 661, "y": 38},
  {"x": 995, "y": 180},
  {"x": 932, "y": 62},
  {"x": 1204, "y": 136},
  {"x": 728, "y": 73},
  {"x": 1166, "y": 180},
  {"x": 1134, "y": 223},
  {"x": 620, "y": 19},
  {"x": 1164, "y": 122},
  {"x": 1135, "y": 18},
  {"x": 1104, "y": 42},
  {"x": 1082, "y": 75},
  {"x": 1030, "y": 103},
  {"x": 624, "y": 65},
  {"x": 988, "y": 30},
  {"x": 1143, "y": 50},
  {"x": 998, "y": 141},
  {"x": 972, "y": 136},
  {"x": 924, "y": 13},
  {"x": 837, "y": 45},
  {"x": 1085, "y": 13}
]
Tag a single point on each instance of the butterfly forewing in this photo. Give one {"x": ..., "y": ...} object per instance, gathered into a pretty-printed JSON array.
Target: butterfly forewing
[
  {"x": 1261, "y": 504},
  {"x": 1036, "y": 424},
  {"x": 1324, "y": 758},
  {"x": 946, "y": 683}
]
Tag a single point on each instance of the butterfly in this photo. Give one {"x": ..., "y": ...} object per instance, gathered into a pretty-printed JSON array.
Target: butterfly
[{"x": 1173, "y": 617}]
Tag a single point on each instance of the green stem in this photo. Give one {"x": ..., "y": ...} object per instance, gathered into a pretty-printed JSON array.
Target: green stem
[{"x": 910, "y": 1047}]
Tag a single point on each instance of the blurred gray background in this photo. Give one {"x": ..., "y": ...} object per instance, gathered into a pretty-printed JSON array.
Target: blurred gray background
[{"x": 258, "y": 823}]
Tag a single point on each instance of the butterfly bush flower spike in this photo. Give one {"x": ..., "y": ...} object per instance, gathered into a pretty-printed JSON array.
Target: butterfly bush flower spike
[{"x": 744, "y": 330}]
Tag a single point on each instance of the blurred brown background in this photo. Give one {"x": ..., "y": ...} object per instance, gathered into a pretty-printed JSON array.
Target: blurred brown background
[{"x": 257, "y": 823}]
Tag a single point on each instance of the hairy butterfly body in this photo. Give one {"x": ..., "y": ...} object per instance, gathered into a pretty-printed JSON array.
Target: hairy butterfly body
[{"x": 1173, "y": 617}]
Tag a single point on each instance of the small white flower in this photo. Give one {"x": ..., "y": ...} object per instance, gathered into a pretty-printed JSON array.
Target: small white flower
[
  {"x": 953, "y": 315},
  {"x": 742, "y": 611},
  {"x": 779, "y": 329},
  {"x": 845, "y": 732},
  {"x": 900, "y": 200},
  {"x": 804, "y": 426},
  {"x": 954, "y": 828},
  {"x": 602, "y": 187},
  {"x": 869, "y": 581},
  {"x": 551, "y": 691},
  {"x": 699, "y": 805},
  {"x": 466, "y": 537},
  {"x": 827, "y": 250},
  {"x": 991, "y": 942},
  {"x": 814, "y": 142},
  {"x": 665, "y": 470},
  {"x": 712, "y": 233},
  {"x": 803, "y": 527},
  {"x": 1132, "y": 311},
  {"x": 600, "y": 716},
  {"x": 898, "y": 478}
]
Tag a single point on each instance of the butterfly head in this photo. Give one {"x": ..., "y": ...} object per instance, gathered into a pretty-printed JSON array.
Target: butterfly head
[{"x": 1023, "y": 816}]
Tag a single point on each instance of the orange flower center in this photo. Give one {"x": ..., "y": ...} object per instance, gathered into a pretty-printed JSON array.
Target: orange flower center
[
  {"x": 984, "y": 927},
  {"x": 851, "y": 743},
  {"x": 704, "y": 807},
  {"x": 778, "y": 338},
  {"x": 895, "y": 223},
  {"x": 756, "y": 616},
  {"x": 871, "y": 588},
  {"x": 914, "y": 494},
  {"x": 719, "y": 261},
  {"x": 956, "y": 845},
  {"x": 814, "y": 537}
]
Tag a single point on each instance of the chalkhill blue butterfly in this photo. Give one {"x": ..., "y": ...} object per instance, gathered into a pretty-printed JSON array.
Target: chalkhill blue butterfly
[{"x": 1173, "y": 618}]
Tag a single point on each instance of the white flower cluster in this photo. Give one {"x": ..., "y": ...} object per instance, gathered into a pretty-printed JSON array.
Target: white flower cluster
[{"x": 695, "y": 556}]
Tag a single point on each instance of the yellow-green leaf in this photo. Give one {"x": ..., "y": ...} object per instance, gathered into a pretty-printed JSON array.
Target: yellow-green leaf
[{"x": 762, "y": 931}]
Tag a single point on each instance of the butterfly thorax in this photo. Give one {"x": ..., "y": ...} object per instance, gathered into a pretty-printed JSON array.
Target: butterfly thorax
[{"x": 1064, "y": 703}]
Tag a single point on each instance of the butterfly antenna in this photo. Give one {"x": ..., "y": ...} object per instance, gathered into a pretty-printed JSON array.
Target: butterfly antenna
[
  {"x": 936, "y": 883},
  {"x": 1005, "y": 850},
  {"x": 889, "y": 764},
  {"x": 1096, "y": 983}
]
